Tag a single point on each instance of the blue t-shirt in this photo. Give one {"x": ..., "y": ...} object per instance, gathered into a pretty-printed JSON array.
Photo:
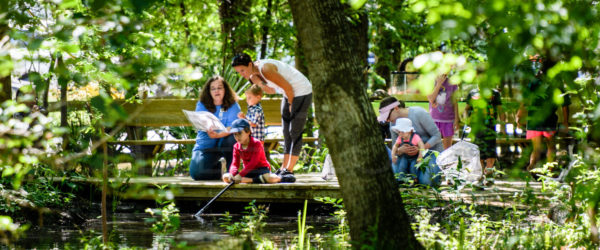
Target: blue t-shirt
[{"x": 203, "y": 141}]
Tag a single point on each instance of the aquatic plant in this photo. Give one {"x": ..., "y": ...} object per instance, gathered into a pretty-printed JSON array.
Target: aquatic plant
[
  {"x": 165, "y": 222},
  {"x": 251, "y": 225},
  {"x": 340, "y": 236},
  {"x": 302, "y": 237}
]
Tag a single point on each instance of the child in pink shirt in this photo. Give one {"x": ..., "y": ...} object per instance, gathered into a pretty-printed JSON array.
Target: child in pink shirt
[
  {"x": 443, "y": 108},
  {"x": 403, "y": 164}
]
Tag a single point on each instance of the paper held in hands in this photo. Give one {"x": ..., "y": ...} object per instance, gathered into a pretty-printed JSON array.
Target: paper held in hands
[{"x": 204, "y": 121}]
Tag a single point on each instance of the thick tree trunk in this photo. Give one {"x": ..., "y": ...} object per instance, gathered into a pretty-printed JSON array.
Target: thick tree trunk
[
  {"x": 265, "y": 27},
  {"x": 348, "y": 123},
  {"x": 385, "y": 62},
  {"x": 236, "y": 27}
]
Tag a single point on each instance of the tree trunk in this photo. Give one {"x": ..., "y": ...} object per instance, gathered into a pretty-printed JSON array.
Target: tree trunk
[
  {"x": 5, "y": 80},
  {"x": 185, "y": 22},
  {"x": 348, "y": 123},
  {"x": 6, "y": 89},
  {"x": 63, "y": 83},
  {"x": 236, "y": 27},
  {"x": 265, "y": 28},
  {"x": 387, "y": 48},
  {"x": 47, "y": 81},
  {"x": 386, "y": 62}
]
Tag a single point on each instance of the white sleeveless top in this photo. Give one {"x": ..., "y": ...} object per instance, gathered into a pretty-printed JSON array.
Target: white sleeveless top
[{"x": 299, "y": 82}]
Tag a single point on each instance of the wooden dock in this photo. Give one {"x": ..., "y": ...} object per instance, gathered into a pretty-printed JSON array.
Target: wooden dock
[{"x": 307, "y": 187}]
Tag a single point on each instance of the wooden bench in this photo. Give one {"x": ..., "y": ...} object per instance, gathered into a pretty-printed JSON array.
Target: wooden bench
[{"x": 155, "y": 113}]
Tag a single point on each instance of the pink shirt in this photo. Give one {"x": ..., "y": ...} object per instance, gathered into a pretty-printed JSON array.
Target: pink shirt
[
  {"x": 253, "y": 157},
  {"x": 415, "y": 140},
  {"x": 444, "y": 112}
]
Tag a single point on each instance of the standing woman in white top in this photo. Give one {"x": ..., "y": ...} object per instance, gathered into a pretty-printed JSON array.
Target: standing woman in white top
[{"x": 277, "y": 77}]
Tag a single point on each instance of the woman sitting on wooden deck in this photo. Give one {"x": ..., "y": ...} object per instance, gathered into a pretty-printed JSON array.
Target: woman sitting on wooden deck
[{"x": 218, "y": 98}]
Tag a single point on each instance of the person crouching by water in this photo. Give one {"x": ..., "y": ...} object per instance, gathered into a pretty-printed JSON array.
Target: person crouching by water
[{"x": 251, "y": 152}]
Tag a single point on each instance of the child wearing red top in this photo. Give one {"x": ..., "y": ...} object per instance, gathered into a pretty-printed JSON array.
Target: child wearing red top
[{"x": 252, "y": 154}]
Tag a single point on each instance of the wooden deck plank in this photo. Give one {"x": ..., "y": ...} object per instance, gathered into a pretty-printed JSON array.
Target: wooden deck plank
[
  {"x": 307, "y": 187},
  {"x": 193, "y": 141}
]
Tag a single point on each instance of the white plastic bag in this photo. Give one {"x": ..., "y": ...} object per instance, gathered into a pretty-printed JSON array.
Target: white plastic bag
[
  {"x": 328, "y": 170},
  {"x": 469, "y": 155}
]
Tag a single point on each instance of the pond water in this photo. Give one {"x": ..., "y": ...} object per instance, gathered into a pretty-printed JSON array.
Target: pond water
[{"x": 131, "y": 230}]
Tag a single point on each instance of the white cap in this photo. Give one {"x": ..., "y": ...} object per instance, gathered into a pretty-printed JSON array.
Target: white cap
[{"x": 403, "y": 125}]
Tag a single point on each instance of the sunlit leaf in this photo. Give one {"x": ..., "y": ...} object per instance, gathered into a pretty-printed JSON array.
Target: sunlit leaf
[{"x": 356, "y": 4}]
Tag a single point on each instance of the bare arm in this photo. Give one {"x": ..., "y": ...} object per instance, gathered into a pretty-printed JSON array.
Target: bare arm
[
  {"x": 421, "y": 149},
  {"x": 258, "y": 80},
  {"x": 521, "y": 114},
  {"x": 270, "y": 72},
  {"x": 394, "y": 154},
  {"x": 215, "y": 135},
  {"x": 436, "y": 90},
  {"x": 430, "y": 129},
  {"x": 502, "y": 117}
]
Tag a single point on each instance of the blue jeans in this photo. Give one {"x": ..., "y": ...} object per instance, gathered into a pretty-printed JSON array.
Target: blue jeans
[
  {"x": 428, "y": 176},
  {"x": 405, "y": 165},
  {"x": 205, "y": 163}
]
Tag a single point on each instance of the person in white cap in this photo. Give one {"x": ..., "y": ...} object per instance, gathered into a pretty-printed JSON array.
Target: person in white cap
[
  {"x": 405, "y": 164},
  {"x": 390, "y": 109}
]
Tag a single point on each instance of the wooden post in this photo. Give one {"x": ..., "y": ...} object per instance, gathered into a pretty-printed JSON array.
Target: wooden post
[
  {"x": 104, "y": 189},
  {"x": 6, "y": 93},
  {"x": 6, "y": 89}
]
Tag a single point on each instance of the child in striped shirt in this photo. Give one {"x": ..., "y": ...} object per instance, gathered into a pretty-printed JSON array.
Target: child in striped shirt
[{"x": 255, "y": 113}]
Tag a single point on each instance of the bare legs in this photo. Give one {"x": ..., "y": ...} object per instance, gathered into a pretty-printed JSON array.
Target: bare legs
[
  {"x": 289, "y": 161},
  {"x": 538, "y": 150},
  {"x": 270, "y": 178},
  {"x": 447, "y": 142},
  {"x": 487, "y": 165}
]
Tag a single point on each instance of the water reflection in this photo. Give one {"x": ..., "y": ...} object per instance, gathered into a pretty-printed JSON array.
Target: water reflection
[{"x": 131, "y": 230}]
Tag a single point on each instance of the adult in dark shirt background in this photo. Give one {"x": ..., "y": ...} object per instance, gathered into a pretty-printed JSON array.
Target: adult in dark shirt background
[
  {"x": 541, "y": 101},
  {"x": 483, "y": 110}
]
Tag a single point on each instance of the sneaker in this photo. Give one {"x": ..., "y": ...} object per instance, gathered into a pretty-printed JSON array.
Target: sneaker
[
  {"x": 287, "y": 176},
  {"x": 278, "y": 171}
]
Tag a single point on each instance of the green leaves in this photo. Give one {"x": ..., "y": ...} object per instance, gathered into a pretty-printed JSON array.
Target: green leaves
[
  {"x": 573, "y": 65},
  {"x": 110, "y": 110},
  {"x": 356, "y": 4}
]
